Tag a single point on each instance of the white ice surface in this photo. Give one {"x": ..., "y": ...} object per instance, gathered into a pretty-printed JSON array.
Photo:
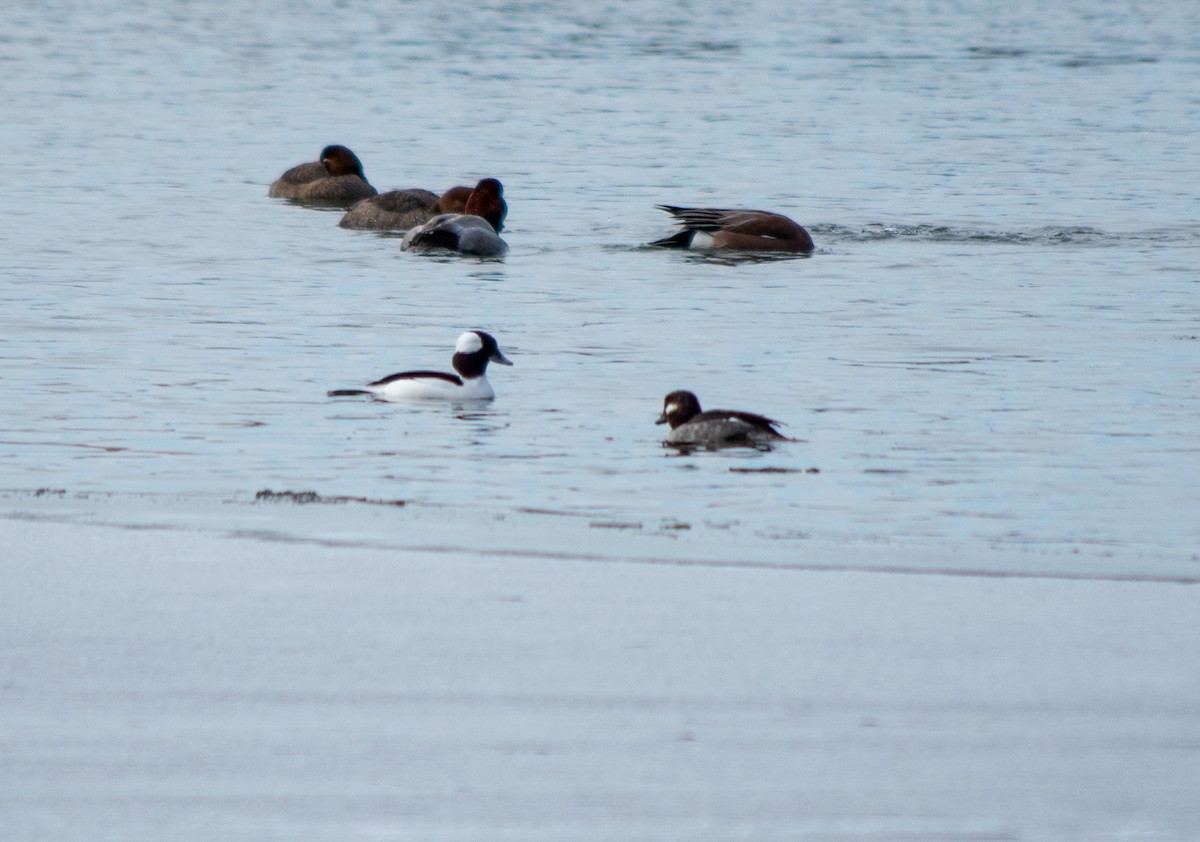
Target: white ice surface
[{"x": 186, "y": 686}]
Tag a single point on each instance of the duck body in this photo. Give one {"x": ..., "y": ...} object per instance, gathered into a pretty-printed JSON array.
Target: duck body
[
  {"x": 335, "y": 181},
  {"x": 691, "y": 426},
  {"x": 401, "y": 210},
  {"x": 460, "y": 232},
  {"x": 431, "y": 385},
  {"x": 741, "y": 230},
  {"x": 472, "y": 353},
  {"x": 475, "y": 231}
]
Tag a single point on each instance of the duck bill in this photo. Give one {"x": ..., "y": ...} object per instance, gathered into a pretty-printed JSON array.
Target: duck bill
[
  {"x": 500, "y": 358},
  {"x": 662, "y": 419}
]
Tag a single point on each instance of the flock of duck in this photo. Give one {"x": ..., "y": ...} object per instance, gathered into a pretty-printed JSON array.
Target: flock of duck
[{"x": 468, "y": 220}]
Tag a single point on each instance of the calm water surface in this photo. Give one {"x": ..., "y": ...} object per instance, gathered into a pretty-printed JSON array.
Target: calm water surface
[{"x": 996, "y": 345}]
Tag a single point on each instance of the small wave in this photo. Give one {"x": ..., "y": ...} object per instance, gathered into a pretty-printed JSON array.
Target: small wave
[
  {"x": 996, "y": 52},
  {"x": 1074, "y": 235},
  {"x": 1081, "y": 60},
  {"x": 689, "y": 49},
  {"x": 719, "y": 257},
  {"x": 1085, "y": 61}
]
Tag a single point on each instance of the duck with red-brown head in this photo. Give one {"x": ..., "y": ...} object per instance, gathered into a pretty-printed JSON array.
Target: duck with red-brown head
[
  {"x": 487, "y": 201},
  {"x": 475, "y": 231},
  {"x": 334, "y": 181},
  {"x": 400, "y": 210}
]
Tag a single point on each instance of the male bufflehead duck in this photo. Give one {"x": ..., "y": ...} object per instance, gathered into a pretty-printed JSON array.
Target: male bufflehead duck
[
  {"x": 742, "y": 230},
  {"x": 400, "y": 210},
  {"x": 472, "y": 353},
  {"x": 335, "y": 181},
  {"x": 715, "y": 428},
  {"x": 475, "y": 231}
]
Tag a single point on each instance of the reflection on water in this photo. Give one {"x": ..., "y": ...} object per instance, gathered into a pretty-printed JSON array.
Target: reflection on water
[
  {"x": 994, "y": 344},
  {"x": 718, "y": 257}
]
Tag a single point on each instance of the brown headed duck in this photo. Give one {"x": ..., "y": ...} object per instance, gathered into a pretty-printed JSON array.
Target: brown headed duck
[
  {"x": 475, "y": 231},
  {"x": 399, "y": 210},
  {"x": 743, "y": 230},
  {"x": 335, "y": 181}
]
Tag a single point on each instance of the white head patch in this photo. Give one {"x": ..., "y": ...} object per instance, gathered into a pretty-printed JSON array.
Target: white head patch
[{"x": 468, "y": 343}]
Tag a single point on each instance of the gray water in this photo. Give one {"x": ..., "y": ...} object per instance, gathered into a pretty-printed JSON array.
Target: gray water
[{"x": 994, "y": 350}]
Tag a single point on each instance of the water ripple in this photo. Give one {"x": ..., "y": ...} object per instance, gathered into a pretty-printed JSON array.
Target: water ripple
[{"x": 1066, "y": 235}]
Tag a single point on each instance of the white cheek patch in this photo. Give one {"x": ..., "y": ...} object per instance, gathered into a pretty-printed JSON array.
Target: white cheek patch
[
  {"x": 468, "y": 343},
  {"x": 671, "y": 407}
]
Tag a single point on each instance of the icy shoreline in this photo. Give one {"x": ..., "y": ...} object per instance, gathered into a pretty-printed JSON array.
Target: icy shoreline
[
  {"x": 175, "y": 684},
  {"x": 399, "y": 526}
]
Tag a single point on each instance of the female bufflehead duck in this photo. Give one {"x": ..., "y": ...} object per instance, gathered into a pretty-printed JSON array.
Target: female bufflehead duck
[
  {"x": 472, "y": 353},
  {"x": 743, "y": 230},
  {"x": 475, "y": 231},
  {"x": 335, "y": 181},
  {"x": 400, "y": 210},
  {"x": 715, "y": 428}
]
